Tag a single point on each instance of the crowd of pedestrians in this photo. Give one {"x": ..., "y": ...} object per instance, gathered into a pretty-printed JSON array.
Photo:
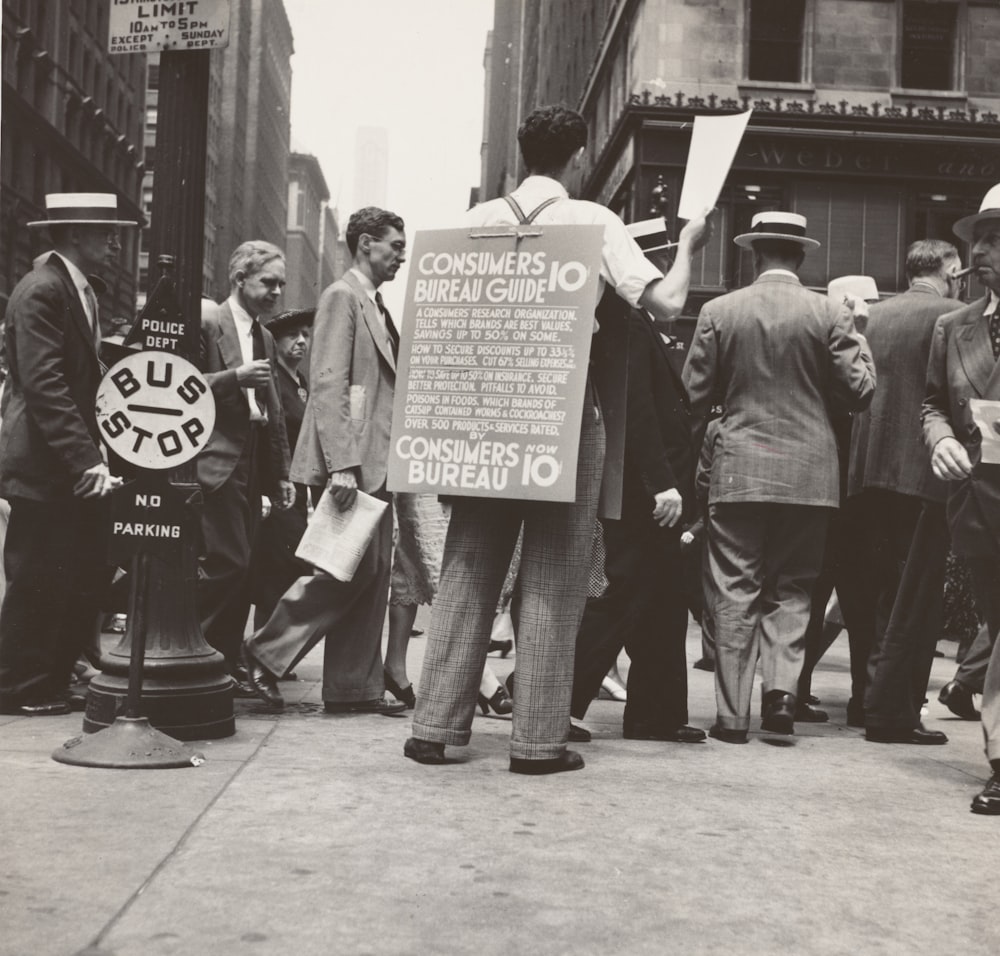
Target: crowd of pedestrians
[{"x": 817, "y": 451}]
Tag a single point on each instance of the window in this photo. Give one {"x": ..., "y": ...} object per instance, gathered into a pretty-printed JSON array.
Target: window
[
  {"x": 776, "y": 28},
  {"x": 928, "y": 45}
]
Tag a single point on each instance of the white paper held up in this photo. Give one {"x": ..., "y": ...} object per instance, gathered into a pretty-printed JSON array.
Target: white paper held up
[
  {"x": 986, "y": 415},
  {"x": 714, "y": 141},
  {"x": 336, "y": 541}
]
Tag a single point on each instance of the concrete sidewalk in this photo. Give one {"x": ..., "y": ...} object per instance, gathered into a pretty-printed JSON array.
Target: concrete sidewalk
[{"x": 311, "y": 834}]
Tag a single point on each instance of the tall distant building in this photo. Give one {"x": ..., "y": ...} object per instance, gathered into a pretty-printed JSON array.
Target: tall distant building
[
  {"x": 877, "y": 119},
  {"x": 72, "y": 119},
  {"x": 371, "y": 167},
  {"x": 307, "y": 199}
]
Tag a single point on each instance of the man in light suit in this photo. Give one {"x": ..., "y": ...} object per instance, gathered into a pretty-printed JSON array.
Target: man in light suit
[
  {"x": 781, "y": 360},
  {"x": 247, "y": 454},
  {"x": 963, "y": 367},
  {"x": 344, "y": 443},
  {"x": 52, "y": 466},
  {"x": 897, "y": 505}
]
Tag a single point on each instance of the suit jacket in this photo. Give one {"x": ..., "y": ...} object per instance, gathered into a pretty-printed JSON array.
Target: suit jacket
[
  {"x": 352, "y": 376},
  {"x": 659, "y": 452},
  {"x": 961, "y": 367},
  {"x": 220, "y": 358},
  {"x": 49, "y": 435},
  {"x": 781, "y": 360},
  {"x": 887, "y": 443}
]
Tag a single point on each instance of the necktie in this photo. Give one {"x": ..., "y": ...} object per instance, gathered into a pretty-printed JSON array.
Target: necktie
[
  {"x": 257, "y": 337},
  {"x": 390, "y": 329},
  {"x": 995, "y": 334},
  {"x": 95, "y": 321}
]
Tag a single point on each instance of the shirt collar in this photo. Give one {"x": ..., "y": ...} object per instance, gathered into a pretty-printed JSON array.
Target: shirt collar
[
  {"x": 79, "y": 279},
  {"x": 242, "y": 318},
  {"x": 366, "y": 283},
  {"x": 991, "y": 304},
  {"x": 540, "y": 188},
  {"x": 777, "y": 272}
]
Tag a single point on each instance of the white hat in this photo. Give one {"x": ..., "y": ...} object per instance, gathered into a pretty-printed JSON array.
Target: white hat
[
  {"x": 988, "y": 209},
  {"x": 98, "y": 209},
  {"x": 777, "y": 225},
  {"x": 863, "y": 287}
]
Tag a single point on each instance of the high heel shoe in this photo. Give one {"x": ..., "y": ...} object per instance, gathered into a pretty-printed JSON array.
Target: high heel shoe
[
  {"x": 504, "y": 647},
  {"x": 499, "y": 702},
  {"x": 405, "y": 694},
  {"x": 613, "y": 689}
]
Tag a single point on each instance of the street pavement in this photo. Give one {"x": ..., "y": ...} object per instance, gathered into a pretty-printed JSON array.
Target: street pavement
[{"x": 306, "y": 834}]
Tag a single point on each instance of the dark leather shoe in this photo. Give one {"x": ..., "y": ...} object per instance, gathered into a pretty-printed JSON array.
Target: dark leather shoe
[
  {"x": 567, "y": 760},
  {"x": 424, "y": 751},
  {"x": 855, "y": 715},
  {"x": 779, "y": 712},
  {"x": 405, "y": 694},
  {"x": 680, "y": 735},
  {"x": 958, "y": 699},
  {"x": 387, "y": 708},
  {"x": 578, "y": 734},
  {"x": 808, "y": 714},
  {"x": 903, "y": 735},
  {"x": 726, "y": 735},
  {"x": 988, "y": 801},
  {"x": 704, "y": 664},
  {"x": 263, "y": 683}
]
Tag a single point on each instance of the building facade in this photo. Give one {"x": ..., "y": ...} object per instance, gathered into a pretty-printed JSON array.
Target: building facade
[
  {"x": 72, "y": 121},
  {"x": 879, "y": 120},
  {"x": 307, "y": 199}
]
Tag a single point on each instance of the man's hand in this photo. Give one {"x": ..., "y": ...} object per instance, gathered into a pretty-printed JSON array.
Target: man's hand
[
  {"x": 697, "y": 231},
  {"x": 286, "y": 495},
  {"x": 96, "y": 482},
  {"x": 950, "y": 461},
  {"x": 669, "y": 506},
  {"x": 344, "y": 489},
  {"x": 254, "y": 374}
]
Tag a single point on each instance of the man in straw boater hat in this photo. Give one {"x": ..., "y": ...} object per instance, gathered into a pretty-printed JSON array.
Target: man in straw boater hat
[
  {"x": 52, "y": 468},
  {"x": 963, "y": 367},
  {"x": 780, "y": 359}
]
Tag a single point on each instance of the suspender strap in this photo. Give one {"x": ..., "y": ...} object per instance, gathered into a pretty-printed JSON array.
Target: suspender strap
[{"x": 524, "y": 220}]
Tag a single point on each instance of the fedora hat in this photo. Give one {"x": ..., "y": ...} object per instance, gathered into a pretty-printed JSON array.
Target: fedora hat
[
  {"x": 989, "y": 208},
  {"x": 289, "y": 321},
  {"x": 777, "y": 225},
  {"x": 83, "y": 209}
]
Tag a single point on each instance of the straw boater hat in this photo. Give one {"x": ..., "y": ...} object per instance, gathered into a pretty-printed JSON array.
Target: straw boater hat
[
  {"x": 291, "y": 320},
  {"x": 863, "y": 287},
  {"x": 83, "y": 209},
  {"x": 988, "y": 209},
  {"x": 777, "y": 225}
]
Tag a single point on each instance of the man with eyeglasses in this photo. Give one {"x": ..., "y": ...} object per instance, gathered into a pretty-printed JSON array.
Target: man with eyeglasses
[
  {"x": 964, "y": 366},
  {"x": 344, "y": 444},
  {"x": 247, "y": 455},
  {"x": 52, "y": 465},
  {"x": 895, "y": 509}
]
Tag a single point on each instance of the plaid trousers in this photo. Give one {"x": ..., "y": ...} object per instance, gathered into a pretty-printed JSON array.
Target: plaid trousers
[{"x": 555, "y": 564}]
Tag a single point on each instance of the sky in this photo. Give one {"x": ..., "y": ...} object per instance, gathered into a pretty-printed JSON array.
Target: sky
[{"x": 414, "y": 67}]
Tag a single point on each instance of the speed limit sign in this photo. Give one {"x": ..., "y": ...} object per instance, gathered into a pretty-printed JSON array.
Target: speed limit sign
[{"x": 155, "y": 410}]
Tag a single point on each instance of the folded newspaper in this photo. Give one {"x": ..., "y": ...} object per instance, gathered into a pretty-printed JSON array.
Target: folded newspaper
[{"x": 336, "y": 541}]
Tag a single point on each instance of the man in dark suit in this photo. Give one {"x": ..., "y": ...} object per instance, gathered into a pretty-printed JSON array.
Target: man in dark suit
[
  {"x": 247, "y": 454},
  {"x": 52, "y": 466},
  {"x": 781, "y": 360},
  {"x": 344, "y": 443},
  {"x": 274, "y": 567},
  {"x": 900, "y": 539},
  {"x": 963, "y": 367},
  {"x": 644, "y": 608}
]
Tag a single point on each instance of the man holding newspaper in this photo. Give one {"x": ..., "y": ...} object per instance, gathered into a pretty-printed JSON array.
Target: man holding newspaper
[{"x": 344, "y": 443}]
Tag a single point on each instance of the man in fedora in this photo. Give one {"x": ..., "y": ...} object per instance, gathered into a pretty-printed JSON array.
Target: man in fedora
[
  {"x": 962, "y": 368},
  {"x": 781, "y": 360},
  {"x": 52, "y": 466}
]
